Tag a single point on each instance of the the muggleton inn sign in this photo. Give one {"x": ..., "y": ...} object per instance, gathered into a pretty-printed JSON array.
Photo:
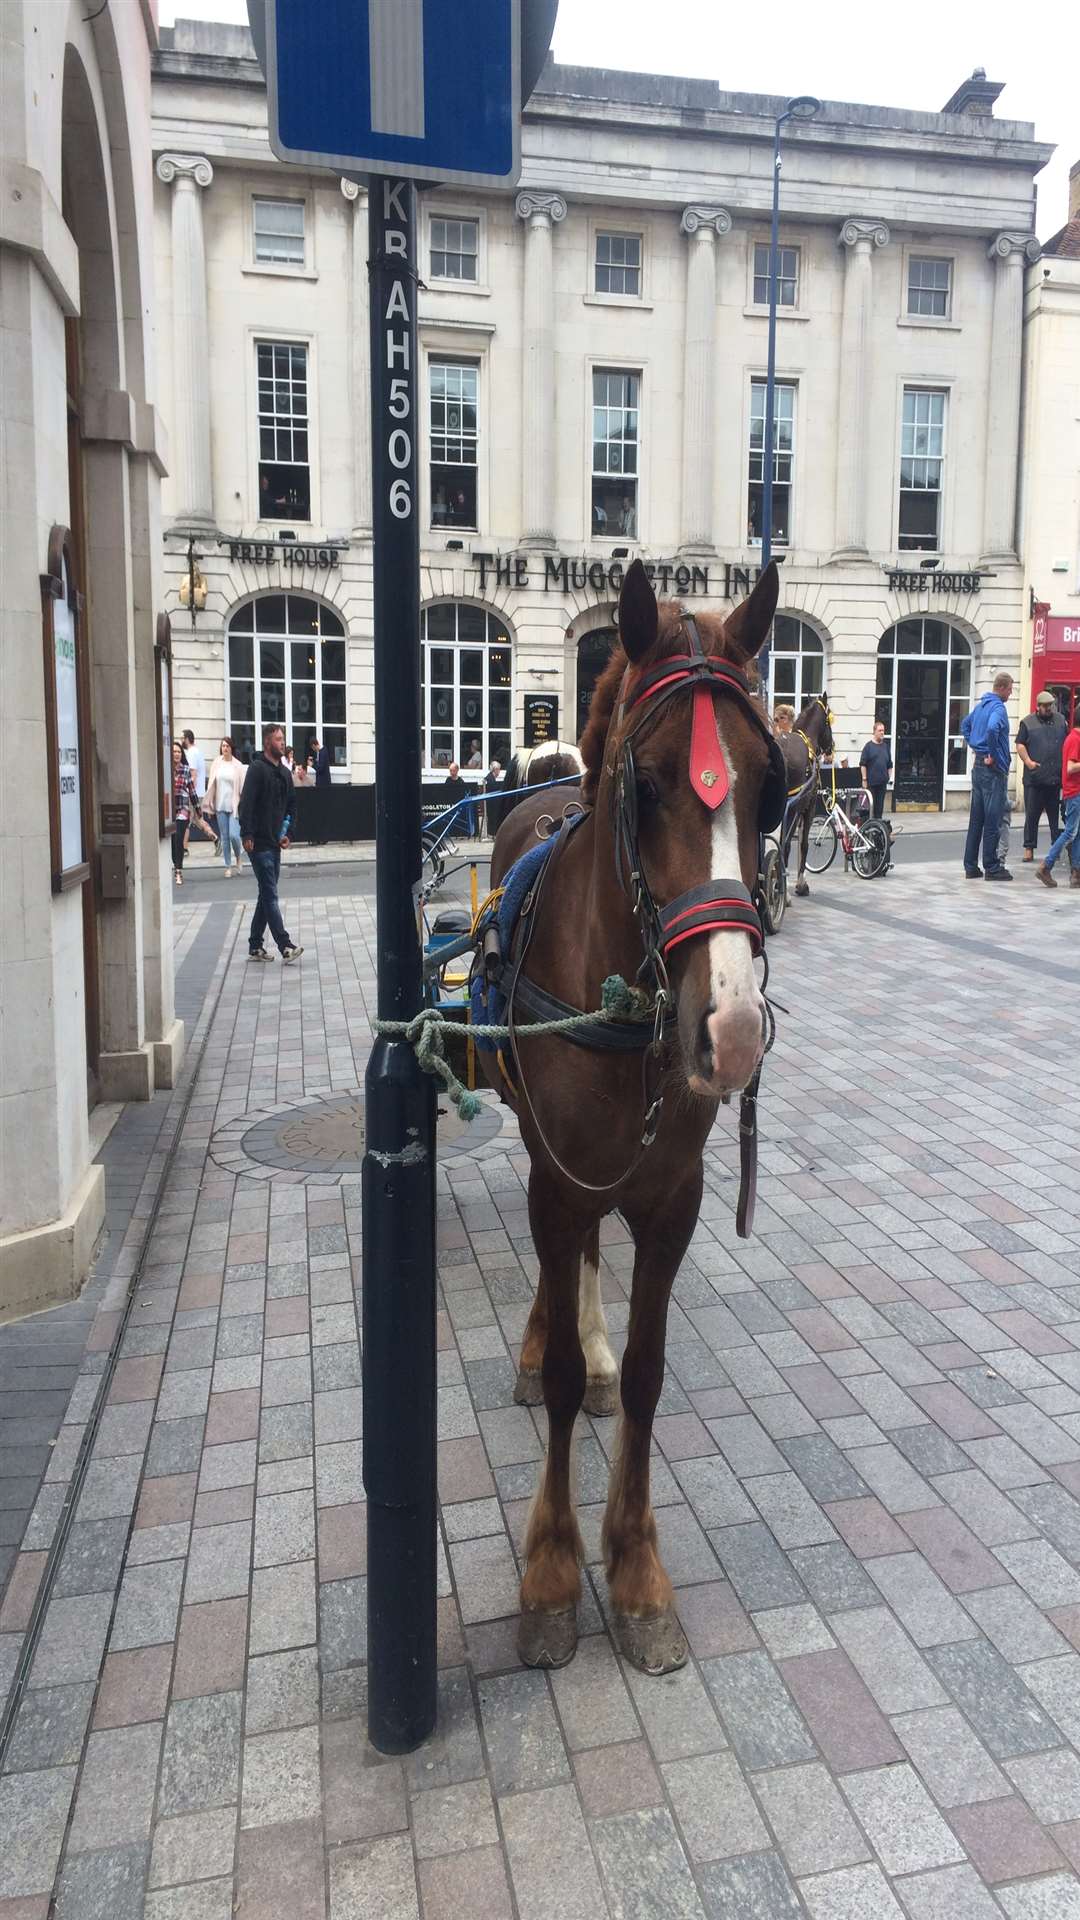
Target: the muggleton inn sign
[{"x": 558, "y": 572}]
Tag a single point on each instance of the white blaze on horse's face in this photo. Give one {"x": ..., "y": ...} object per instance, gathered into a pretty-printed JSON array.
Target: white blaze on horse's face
[{"x": 734, "y": 1024}]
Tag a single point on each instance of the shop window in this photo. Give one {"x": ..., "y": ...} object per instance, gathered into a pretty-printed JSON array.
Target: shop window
[
  {"x": 454, "y": 403},
  {"x": 783, "y": 463},
  {"x": 929, "y": 288},
  {"x": 922, "y": 470},
  {"x": 617, "y": 267},
  {"x": 286, "y": 663},
  {"x": 797, "y": 662},
  {"x": 284, "y": 462},
  {"x": 466, "y": 664},
  {"x": 787, "y": 275},
  {"x": 454, "y": 249},
  {"x": 278, "y": 232},
  {"x": 616, "y": 446}
]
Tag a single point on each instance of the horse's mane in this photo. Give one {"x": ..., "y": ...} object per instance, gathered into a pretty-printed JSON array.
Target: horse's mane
[{"x": 669, "y": 617}]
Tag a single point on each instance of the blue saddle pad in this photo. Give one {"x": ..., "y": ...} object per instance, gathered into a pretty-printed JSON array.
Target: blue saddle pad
[{"x": 488, "y": 1003}]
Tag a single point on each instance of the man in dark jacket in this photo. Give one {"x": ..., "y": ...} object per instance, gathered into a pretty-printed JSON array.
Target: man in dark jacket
[
  {"x": 875, "y": 766},
  {"x": 986, "y": 730},
  {"x": 320, "y": 760},
  {"x": 266, "y": 802},
  {"x": 1039, "y": 740}
]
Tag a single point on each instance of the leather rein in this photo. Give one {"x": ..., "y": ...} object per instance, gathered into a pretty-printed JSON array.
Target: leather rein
[{"x": 716, "y": 905}]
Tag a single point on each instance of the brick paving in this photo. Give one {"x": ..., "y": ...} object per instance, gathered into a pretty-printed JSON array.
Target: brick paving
[{"x": 867, "y": 1478}]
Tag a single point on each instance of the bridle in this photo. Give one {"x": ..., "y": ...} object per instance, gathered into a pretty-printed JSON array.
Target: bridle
[
  {"x": 719, "y": 904},
  {"x": 716, "y": 905}
]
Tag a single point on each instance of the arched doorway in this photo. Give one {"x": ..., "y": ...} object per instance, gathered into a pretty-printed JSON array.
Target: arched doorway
[
  {"x": 466, "y": 686},
  {"x": 593, "y": 653},
  {"x": 798, "y": 661},
  {"x": 286, "y": 663},
  {"x": 923, "y": 693}
]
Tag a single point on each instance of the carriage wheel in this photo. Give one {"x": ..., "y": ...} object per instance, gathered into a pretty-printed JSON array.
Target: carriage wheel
[
  {"x": 821, "y": 845},
  {"x": 773, "y": 890},
  {"x": 433, "y": 861},
  {"x": 871, "y": 857}
]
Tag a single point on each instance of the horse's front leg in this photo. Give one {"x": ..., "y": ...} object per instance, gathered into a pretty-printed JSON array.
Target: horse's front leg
[
  {"x": 642, "y": 1600},
  {"x": 601, "y": 1367},
  {"x": 802, "y": 885},
  {"x": 547, "y": 1635}
]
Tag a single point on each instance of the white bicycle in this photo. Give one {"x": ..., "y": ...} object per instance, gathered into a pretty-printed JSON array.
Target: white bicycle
[{"x": 865, "y": 844}]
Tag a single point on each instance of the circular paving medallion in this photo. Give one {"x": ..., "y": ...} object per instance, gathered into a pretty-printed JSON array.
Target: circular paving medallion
[{"x": 325, "y": 1136}]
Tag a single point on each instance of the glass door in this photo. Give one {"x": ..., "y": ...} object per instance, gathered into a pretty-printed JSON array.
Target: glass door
[{"x": 920, "y": 731}]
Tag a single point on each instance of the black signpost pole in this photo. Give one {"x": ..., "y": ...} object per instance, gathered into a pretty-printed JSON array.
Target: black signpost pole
[{"x": 399, "y": 1160}]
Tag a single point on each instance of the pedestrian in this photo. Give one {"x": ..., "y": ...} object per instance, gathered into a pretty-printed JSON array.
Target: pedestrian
[
  {"x": 493, "y": 780},
  {"x": 287, "y": 759},
  {"x": 184, "y": 805},
  {"x": 319, "y": 761},
  {"x": 1070, "y": 793},
  {"x": 265, "y": 817},
  {"x": 223, "y": 790},
  {"x": 197, "y": 766},
  {"x": 454, "y": 792},
  {"x": 986, "y": 730},
  {"x": 783, "y": 720},
  {"x": 875, "y": 766},
  {"x": 1039, "y": 741}
]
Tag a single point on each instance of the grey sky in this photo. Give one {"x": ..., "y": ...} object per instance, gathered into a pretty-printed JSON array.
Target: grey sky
[{"x": 912, "y": 55}]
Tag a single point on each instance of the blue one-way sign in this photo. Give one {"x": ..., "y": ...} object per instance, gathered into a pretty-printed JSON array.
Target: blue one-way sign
[{"x": 420, "y": 89}]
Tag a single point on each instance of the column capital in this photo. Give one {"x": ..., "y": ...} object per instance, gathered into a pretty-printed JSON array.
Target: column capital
[
  {"x": 193, "y": 167},
  {"x": 870, "y": 233},
  {"x": 531, "y": 202},
  {"x": 353, "y": 190},
  {"x": 701, "y": 219},
  {"x": 1022, "y": 247}
]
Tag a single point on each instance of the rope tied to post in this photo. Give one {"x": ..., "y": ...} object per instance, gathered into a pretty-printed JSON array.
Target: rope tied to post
[{"x": 426, "y": 1032}]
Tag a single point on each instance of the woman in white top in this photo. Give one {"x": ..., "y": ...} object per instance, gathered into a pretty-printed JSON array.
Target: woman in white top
[{"x": 223, "y": 790}]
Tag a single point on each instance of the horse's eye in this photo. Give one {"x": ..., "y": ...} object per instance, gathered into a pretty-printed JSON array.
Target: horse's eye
[{"x": 647, "y": 795}]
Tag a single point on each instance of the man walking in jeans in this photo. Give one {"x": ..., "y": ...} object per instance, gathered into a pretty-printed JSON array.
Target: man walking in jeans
[
  {"x": 1070, "y": 793},
  {"x": 265, "y": 818},
  {"x": 986, "y": 730}
]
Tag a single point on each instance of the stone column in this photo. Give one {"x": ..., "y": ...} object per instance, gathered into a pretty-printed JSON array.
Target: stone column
[
  {"x": 360, "y": 358},
  {"x": 193, "y": 494},
  {"x": 1010, "y": 253},
  {"x": 702, "y": 225},
  {"x": 540, "y": 211},
  {"x": 859, "y": 238}
]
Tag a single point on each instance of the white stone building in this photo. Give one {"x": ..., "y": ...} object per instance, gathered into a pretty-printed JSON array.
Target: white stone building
[
  {"x": 1050, "y": 502},
  {"x": 593, "y": 355},
  {"x": 86, "y": 983}
]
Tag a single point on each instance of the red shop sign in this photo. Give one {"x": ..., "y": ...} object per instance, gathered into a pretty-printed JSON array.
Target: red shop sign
[{"x": 1056, "y": 633}]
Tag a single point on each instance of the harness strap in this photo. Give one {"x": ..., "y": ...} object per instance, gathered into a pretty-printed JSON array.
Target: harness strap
[
  {"x": 717, "y": 906},
  {"x": 744, "y": 1217}
]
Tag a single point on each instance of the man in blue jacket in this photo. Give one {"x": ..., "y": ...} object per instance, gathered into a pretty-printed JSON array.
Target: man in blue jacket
[{"x": 986, "y": 730}]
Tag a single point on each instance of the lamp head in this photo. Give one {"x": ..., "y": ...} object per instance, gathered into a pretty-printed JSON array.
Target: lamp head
[{"x": 803, "y": 107}]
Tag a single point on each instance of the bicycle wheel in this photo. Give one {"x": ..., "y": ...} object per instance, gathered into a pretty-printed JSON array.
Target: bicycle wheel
[
  {"x": 821, "y": 846},
  {"x": 773, "y": 890},
  {"x": 871, "y": 855}
]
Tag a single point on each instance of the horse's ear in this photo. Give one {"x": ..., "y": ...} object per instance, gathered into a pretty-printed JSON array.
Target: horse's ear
[
  {"x": 745, "y": 629},
  {"x": 637, "y": 613}
]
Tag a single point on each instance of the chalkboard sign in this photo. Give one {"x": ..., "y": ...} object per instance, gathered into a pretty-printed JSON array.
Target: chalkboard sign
[{"x": 541, "y": 718}]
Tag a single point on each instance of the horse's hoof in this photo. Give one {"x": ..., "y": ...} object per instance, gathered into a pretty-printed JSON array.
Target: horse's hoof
[
  {"x": 601, "y": 1396},
  {"x": 529, "y": 1387},
  {"x": 801, "y": 889},
  {"x": 654, "y": 1643},
  {"x": 548, "y": 1639}
]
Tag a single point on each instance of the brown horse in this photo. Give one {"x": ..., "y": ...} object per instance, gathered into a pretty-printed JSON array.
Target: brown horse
[
  {"x": 676, "y": 790},
  {"x": 802, "y": 748}
]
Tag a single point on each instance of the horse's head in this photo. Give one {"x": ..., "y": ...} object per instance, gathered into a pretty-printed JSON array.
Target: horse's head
[
  {"x": 681, "y": 754},
  {"x": 815, "y": 722}
]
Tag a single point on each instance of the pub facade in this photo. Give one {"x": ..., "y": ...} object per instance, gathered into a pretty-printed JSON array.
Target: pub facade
[{"x": 592, "y": 389}]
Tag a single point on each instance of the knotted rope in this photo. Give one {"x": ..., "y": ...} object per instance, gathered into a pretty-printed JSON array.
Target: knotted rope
[{"x": 425, "y": 1034}]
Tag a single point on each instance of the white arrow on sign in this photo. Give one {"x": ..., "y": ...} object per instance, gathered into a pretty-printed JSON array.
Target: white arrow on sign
[{"x": 396, "y": 43}]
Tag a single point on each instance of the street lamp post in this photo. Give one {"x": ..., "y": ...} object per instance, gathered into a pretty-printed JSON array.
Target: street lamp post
[{"x": 803, "y": 107}]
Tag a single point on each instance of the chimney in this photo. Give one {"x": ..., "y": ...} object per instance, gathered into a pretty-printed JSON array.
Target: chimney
[{"x": 976, "y": 95}]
